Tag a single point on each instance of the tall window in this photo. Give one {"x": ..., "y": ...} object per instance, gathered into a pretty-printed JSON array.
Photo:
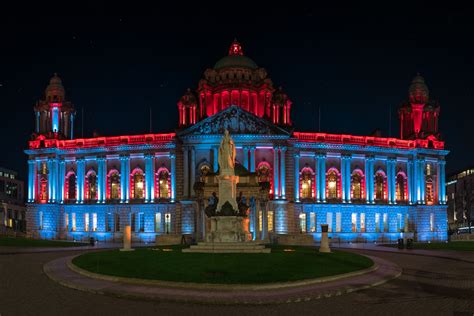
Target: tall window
[
  {"x": 86, "y": 222},
  {"x": 94, "y": 222},
  {"x": 116, "y": 222},
  {"x": 306, "y": 183},
  {"x": 260, "y": 220},
  {"x": 168, "y": 223},
  {"x": 73, "y": 222},
  {"x": 109, "y": 222},
  {"x": 141, "y": 222},
  {"x": 429, "y": 194},
  {"x": 71, "y": 186},
  {"x": 66, "y": 221},
  {"x": 114, "y": 185},
  {"x": 91, "y": 185},
  {"x": 399, "y": 223},
  {"x": 264, "y": 172},
  {"x": 377, "y": 222},
  {"x": 303, "y": 222},
  {"x": 362, "y": 222},
  {"x": 312, "y": 222},
  {"x": 163, "y": 183},
  {"x": 133, "y": 225},
  {"x": 400, "y": 189},
  {"x": 385, "y": 222},
  {"x": 432, "y": 222},
  {"x": 332, "y": 184},
  {"x": 138, "y": 185},
  {"x": 40, "y": 220},
  {"x": 338, "y": 222},
  {"x": 356, "y": 186},
  {"x": 380, "y": 186},
  {"x": 354, "y": 222},
  {"x": 270, "y": 220},
  {"x": 329, "y": 221},
  {"x": 157, "y": 222},
  {"x": 43, "y": 182}
]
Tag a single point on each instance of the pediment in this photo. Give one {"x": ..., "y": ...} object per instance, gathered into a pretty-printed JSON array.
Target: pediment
[{"x": 237, "y": 121}]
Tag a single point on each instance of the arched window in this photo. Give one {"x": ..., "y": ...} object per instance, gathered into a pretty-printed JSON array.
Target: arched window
[
  {"x": 91, "y": 182},
  {"x": 306, "y": 180},
  {"x": 264, "y": 172},
  {"x": 357, "y": 185},
  {"x": 332, "y": 184},
  {"x": 71, "y": 186},
  {"x": 163, "y": 178},
  {"x": 138, "y": 184},
  {"x": 43, "y": 182},
  {"x": 401, "y": 187},
  {"x": 429, "y": 194},
  {"x": 114, "y": 184},
  {"x": 380, "y": 186}
]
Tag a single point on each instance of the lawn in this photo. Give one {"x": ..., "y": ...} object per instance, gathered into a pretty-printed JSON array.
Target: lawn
[
  {"x": 25, "y": 242},
  {"x": 453, "y": 245},
  {"x": 170, "y": 264}
]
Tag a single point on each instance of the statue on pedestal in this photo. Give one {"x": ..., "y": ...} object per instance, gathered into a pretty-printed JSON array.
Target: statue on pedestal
[{"x": 226, "y": 158}]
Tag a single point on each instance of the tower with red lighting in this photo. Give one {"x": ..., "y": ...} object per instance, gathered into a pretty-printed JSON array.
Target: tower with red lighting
[
  {"x": 419, "y": 114},
  {"x": 54, "y": 115}
]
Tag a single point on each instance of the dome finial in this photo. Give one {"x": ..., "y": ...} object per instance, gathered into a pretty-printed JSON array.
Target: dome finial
[{"x": 235, "y": 49}]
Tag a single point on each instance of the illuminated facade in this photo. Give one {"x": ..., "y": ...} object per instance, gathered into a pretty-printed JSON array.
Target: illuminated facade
[{"x": 366, "y": 188}]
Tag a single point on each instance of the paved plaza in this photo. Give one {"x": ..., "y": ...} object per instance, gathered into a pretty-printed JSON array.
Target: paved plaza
[{"x": 428, "y": 285}]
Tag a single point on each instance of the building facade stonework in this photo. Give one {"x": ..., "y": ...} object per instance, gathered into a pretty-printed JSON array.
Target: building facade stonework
[{"x": 366, "y": 188}]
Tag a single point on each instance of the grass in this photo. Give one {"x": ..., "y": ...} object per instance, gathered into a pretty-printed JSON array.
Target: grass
[
  {"x": 25, "y": 242},
  {"x": 174, "y": 265},
  {"x": 452, "y": 245}
]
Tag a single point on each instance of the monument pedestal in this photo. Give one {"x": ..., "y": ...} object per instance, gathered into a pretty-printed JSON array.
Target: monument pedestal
[
  {"x": 228, "y": 229},
  {"x": 227, "y": 192}
]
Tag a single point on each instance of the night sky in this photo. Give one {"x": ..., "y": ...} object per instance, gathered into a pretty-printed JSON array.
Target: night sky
[{"x": 356, "y": 63}]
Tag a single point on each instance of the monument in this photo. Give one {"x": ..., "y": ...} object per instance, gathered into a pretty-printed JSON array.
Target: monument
[{"x": 229, "y": 231}]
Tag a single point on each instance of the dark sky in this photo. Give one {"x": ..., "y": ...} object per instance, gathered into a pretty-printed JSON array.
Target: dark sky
[{"x": 356, "y": 63}]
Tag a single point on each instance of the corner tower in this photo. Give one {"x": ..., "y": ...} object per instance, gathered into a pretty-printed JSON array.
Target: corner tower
[
  {"x": 54, "y": 115},
  {"x": 419, "y": 114}
]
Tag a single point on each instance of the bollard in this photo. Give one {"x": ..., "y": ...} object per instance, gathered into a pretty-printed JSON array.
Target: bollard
[
  {"x": 324, "y": 247},
  {"x": 127, "y": 239}
]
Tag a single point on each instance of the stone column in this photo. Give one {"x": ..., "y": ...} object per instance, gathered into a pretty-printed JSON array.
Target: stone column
[
  {"x": 389, "y": 180},
  {"x": 282, "y": 173},
  {"x": 123, "y": 185},
  {"x": 252, "y": 159},
  {"x": 410, "y": 182},
  {"x": 442, "y": 182},
  {"x": 371, "y": 179},
  {"x": 193, "y": 171},
  {"x": 296, "y": 157},
  {"x": 173, "y": 176},
  {"x": 322, "y": 180},
  {"x": 186, "y": 171},
  {"x": 344, "y": 178},
  {"x": 102, "y": 179},
  {"x": 324, "y": 247},
  {"x": 149, "y": 173},
  {"x": 127, "y": 239},
  {"x": 80, "y": 179},
  {"x": 317, "y": 178},
  {"x": 214, "y": 159},
  {"x": 276, "y": 173},
  {"x": 31, "y": 180},
  {"x": 61, "y": 175},
  {"x": 50, "y": 179},
  {"x": 245, "y": 152},
  {"x": 367, "y": 179}
]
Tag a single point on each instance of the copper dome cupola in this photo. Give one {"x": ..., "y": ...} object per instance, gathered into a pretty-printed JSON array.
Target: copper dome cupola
[{"x": 418, "y": 91}]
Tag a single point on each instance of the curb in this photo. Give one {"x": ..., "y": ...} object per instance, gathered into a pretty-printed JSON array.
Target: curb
[{"x": 58, "y": 270}]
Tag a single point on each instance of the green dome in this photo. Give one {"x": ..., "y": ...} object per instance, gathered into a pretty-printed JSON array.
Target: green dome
[{"x": 235, "y": 61}]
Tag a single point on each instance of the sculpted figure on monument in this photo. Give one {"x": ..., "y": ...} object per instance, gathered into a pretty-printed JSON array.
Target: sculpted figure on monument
[{"x": 226, "y": 156}]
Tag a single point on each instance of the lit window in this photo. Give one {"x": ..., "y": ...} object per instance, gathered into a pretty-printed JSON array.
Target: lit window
[
  {"x": 385, "y": 223},
  {"x": 354, "y": 222},
  {"x": 94, "y": 222},
  {"x": 138, "y": 185},
  {"x": 260, "y": 220},
  {"x": 400, "y": 189},
  {"x": 163, "y": 184},
  {"x": 329, "y": 221},
  {"x": 332, "y": 181},
  {"x": 66, "y": 221},
  {"x": 380, "y": 186},
  {"x": 338, "y": 222},
  {"x": 432, "y": 222},
  {"x": 92, "y": 186},
  {"x": 362, "y": 222},
  {"x": 167, "y": 223},
  {"x": 270, "y": 220},
  {"x": 306, "y": 183},
  {"x": 114, "y": 185},
  {"x": 399, "y": 223},
  {"x": 356, "y": 186},
  {"x": 157, "y": 222},
  {"x": 73, "y": 222},
  {"x": 86, "y": 222},
  {"x": 429, "y": 194},
  {"x": 312, "y": 222},
  {"x": 40, "y": 221},
  {"x": 71, "y": 186},
  {"x": 377, "y": 222},
  {"x": 303, "y": 222}
]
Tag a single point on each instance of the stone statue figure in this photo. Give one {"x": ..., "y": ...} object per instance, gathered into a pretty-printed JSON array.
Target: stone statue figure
[{"x": 226, "y": 156}]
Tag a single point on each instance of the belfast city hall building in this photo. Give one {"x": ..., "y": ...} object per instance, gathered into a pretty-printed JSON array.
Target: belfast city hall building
[{"x": 366, "y": 188}]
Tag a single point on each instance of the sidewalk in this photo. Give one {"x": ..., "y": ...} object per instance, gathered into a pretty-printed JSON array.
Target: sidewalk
[
  {"x": 466, "y": 256},
  {"x": 98, "y": 246},
  {"x": 59, "y": 271}
]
